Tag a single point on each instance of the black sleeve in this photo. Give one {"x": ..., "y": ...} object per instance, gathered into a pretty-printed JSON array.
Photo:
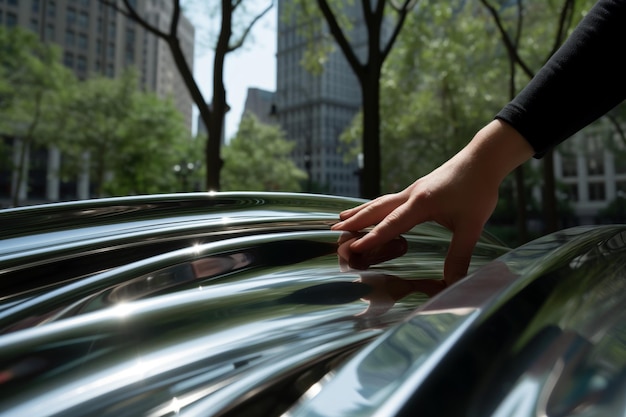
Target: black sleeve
[{"x": 582, "y": 81}]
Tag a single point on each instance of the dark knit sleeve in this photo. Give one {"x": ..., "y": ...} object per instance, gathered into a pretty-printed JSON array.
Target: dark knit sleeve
[{"x": 582, "y": 81}]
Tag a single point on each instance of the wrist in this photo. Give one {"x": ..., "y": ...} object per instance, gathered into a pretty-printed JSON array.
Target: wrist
[{"x": 497, "y": 149}]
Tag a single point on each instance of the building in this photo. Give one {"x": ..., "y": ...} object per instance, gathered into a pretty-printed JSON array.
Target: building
[
  {"x": 97, "y": 39},
  {"x": 314, "y": 110},
  {"x": 592, "y": 171},
  {"x": 261, "y": 104}
]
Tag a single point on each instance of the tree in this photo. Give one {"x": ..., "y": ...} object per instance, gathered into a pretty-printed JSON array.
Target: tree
[
  {"x": 127, "y": 135},
  {"x": 258, "y": 159},
  {"x": 442, "y": 81},
  {"x": 32, "y": 86},
  {"x": 212, "y": 115},
  {"x": 152, "y": 132},
  {"x": 377, "y": 17},
  {"x": 566, "y": 17}
]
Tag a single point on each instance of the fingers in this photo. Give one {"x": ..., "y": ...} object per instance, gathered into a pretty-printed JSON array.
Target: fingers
[
  {"x": 367, "y": 214},
  {"x": 460, "y": 252},
  {"x": 400, "y": 220}
]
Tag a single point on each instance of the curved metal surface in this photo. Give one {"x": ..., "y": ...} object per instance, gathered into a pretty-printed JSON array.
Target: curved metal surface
[
  {"x": 541, "y": 331},
  {"x": 199, "y": 304},
  {"x": 248, "y": 305}
]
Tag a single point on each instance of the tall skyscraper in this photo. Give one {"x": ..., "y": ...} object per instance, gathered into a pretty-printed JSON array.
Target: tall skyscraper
[{"x": 315, "y": 109}]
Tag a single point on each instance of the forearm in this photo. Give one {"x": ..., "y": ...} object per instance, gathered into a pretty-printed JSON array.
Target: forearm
[{"x": 495, "y": 151}]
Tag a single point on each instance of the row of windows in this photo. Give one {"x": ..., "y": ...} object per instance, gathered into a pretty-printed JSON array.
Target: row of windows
[
  {"x": 594, "y": 165},
  {"x": 596, "y": 191}
]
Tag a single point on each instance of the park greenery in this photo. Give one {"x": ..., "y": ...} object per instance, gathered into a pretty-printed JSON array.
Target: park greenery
[
  {"x": 444, "y": 70},
  {"x": 258, "y": 159},
  {"x": 123, "y": 137}
]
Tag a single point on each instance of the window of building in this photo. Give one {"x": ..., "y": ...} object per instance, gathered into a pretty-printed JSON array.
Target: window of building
[
  {"x": 83, "y": 20},
  {"x": 70, "y": 38},
  {"x": 50, "y": 32},
  {"x": 130, "y": 56},
  {"x": 595, "y": 163},
  {"x": 68, "y": 59},
  {"x": 111, "y": 50},
  {"x": 82, "y": 41},
  {"x": 596, "y": 191},
  {"x": 12, "y": 2},
  {"x": 52, "y": 8},
  {"x": 569, "y": 166},
  {"x": 81, "y": 64},
  {"x": 70, "y": 16},
  {"x": 35, "y": 6},
  {"x": 11, "y": 19}
]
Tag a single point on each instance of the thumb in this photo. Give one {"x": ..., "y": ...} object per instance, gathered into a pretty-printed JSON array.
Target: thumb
[{"x": 460, "y": 253}]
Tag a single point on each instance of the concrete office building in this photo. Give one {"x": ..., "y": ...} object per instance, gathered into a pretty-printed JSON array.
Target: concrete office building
[
  {"x": 96, "y": 39},
  {"x": 315, "y": 109}
]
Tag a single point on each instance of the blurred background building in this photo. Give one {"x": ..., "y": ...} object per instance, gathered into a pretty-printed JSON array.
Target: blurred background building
[
  {"x": 315, "y": 109},
  {"x": 96, "y": 39}
]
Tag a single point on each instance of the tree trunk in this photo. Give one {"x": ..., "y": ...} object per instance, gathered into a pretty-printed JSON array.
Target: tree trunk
[
  {"x": 520, "y": 190},
  {"x": 551, "y": 222},
  {"x": 371, "y": 174}
]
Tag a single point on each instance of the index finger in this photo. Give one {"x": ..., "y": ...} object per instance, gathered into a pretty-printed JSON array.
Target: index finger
[{"x": 400, "y": 220}]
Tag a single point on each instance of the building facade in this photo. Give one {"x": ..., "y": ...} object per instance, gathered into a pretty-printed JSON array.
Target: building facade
[
  {"x": 314, "y": 109},
  {"x": 96, "y": 39},
  {"x": 592, "y": 168}
]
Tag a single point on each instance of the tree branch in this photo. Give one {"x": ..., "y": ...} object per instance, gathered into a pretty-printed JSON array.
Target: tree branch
[
  {"x": 341, "y": 39},
  {"x": 402, "y": 13},
  {"x": 507, "y": 40},
  {"x": 248, "y": 29}
]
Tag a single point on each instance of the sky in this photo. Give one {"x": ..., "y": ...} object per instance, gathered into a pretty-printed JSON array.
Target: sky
[{"x": 252, "y": 65}]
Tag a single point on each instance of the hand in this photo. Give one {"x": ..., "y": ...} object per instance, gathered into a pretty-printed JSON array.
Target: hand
[{"x": 460, "y": 195}]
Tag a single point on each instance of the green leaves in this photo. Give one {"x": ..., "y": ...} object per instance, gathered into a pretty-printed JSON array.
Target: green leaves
[
  {"x": 258, "y": 159},
  {"x": 129, "y": 136}
]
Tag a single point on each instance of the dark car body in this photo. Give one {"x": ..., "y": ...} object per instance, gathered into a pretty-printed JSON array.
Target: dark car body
[{"x": 248, "y": 305}]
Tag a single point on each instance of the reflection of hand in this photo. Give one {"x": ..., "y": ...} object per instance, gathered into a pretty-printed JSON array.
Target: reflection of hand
[
  {"x": 460, "y": 195},
  {"x": 386, "y": 290},
  {"x": 394, "y": 248}
]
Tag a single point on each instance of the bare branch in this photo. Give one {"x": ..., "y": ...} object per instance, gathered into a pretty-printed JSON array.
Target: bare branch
[
  {"x": 565, "y": 15},
  {"x": 402, "y": 13},
  {"x": 507, "y": 40},
  {"x": 130, "y": 12},
  {"x": 248, "y": 29},
  {"x": 340, "y": 38}
]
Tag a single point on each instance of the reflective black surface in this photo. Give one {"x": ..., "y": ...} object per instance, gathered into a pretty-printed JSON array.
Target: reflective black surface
[{"x": 248, "y": 305}]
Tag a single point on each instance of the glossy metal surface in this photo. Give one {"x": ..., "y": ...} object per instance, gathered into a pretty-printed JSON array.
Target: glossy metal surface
[
  {"x": 539, "y": 332},
  {"x": 248, "y": 305},
  {"x": 198, "y": 304}
]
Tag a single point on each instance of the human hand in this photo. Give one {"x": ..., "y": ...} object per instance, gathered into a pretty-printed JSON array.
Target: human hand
[{"x": 460, "y": 195}]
